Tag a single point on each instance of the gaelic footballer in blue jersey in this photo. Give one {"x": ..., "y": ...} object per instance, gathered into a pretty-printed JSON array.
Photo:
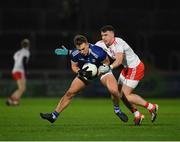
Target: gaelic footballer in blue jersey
[
  {"x": 87, "y": 53},
  {"x": 94, "y": 54}
]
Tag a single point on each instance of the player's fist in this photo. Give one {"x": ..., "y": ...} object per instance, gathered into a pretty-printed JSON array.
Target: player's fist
[
  {"x": 84, "y": 73},
  {"x": 104, "y": 69}
]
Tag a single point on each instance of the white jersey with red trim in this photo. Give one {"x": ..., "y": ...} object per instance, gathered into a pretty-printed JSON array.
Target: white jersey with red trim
[
  {"x": 130, "y": 59},
  {"x": 18, "y": 59}
]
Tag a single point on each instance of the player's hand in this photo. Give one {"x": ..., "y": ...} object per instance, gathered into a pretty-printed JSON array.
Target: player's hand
[
  {"x": 62, "y": 51},
  {"x": 104, "y": 69},
  {"x": 84, "y": 73}
]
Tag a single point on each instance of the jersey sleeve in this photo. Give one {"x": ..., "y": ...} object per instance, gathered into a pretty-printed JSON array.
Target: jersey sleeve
[
  {"x": 103, "y": 54},
  {"x": 73, "y": 55}
]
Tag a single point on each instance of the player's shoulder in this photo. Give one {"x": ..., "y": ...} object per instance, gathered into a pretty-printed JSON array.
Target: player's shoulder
[
  {"x": 97, "y": 51},
  {"x": 23, "y": 51},
  {"x": 119, "y": 40},
  {"x": 95, "y": 47},
  {"x": 26, "y": 51},
  {"x": 74, "y": 52},
  {"x": 100, "y": 43}
]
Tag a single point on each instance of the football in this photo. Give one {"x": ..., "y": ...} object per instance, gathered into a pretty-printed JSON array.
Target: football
[{"x": 91, "y": 67}]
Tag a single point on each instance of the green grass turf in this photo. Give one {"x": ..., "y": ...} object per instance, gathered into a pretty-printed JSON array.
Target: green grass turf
[{"x": 86, "y": 119}]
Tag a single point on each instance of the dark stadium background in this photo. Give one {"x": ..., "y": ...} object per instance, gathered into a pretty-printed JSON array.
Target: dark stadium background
[{"x": 150, "y": 27}]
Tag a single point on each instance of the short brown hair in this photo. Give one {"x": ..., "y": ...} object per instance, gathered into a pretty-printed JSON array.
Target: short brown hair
[
  {"x": 79, "y": 39},
  {"x": 107, "y": 28}
]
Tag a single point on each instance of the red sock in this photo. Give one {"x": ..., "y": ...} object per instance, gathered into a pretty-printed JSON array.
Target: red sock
[
  {"x": 146, "y": 105},
  {"x": 133, "y": 110}
]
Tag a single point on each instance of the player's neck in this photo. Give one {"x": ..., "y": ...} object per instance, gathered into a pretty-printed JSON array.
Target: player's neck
[{"x": 112, "y": 42}]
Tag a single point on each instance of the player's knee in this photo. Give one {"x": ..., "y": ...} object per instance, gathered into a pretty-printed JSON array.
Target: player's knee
[
  {"x": 127, "y": 94},
  {"x": 22, "y": 89},
  {"x": 128, "y": 97},
  {"x": 69, "y": 94}
]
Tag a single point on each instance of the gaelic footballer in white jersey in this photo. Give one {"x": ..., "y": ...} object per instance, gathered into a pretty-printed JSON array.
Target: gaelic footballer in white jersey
[
  {"x": 21, "y": 58},
  {"x": 133, "y": 67},
  {"x": 130, "y": 75},
  {"x": 18, "y": 70}
]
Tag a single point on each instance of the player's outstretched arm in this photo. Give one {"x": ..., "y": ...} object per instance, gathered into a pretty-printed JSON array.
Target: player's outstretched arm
[{"x": 62, "y": 51}]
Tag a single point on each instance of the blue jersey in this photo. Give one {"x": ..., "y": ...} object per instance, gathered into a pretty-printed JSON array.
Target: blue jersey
[{"x": 96, "y": 56}]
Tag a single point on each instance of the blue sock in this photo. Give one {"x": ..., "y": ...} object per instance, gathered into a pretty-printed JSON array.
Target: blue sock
[
  {"x": 55, "y": 114},
  {"x": 116, "y": 109}
]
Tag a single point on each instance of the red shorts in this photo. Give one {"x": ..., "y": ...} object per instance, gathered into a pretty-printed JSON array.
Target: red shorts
[
  {"x": 17, "y": 75},
  {"x": 136, "y": 73}
]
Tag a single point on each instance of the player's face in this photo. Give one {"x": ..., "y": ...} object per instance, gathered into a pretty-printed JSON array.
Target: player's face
[
  {"x": 108, "y": 37},
  {"x": 83, "y": 49}
]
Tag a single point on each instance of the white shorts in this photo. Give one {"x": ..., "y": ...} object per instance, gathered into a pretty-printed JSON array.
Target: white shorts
[
  {"x": 131, "y": 83},
  {"x": 110, "y": 72},
  {"x": 131, "y": 76}
]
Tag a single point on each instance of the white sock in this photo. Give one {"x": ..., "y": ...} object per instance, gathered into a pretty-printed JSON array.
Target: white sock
[
  {"x": 136, "y": 113},
  {"x": 150, "y": 106}
]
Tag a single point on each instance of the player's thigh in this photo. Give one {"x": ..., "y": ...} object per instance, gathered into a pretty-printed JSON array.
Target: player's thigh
[
  {"x": 21, "y": 83},
  {"x": 128, "y": 86},
  {"x": 129, "y": 82},
  {"x": 110, "y": 82},
  {"x": 127, "y": 90},
  {"x": 76, "y": 86}
]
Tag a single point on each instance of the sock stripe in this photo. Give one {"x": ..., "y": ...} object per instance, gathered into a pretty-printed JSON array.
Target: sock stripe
[
  {"x": 133, "y": 110},
  {"x": 55, "y": 113},
  {"x": 146, "y": 105},
  {"x": 116, "y": 108}
]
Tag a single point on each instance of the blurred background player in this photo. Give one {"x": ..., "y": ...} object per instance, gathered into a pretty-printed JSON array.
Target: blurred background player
[
  {"x": 21, "y": 58},
  {"x": 87, "y": 53},
  {"x": 132, "y": 72}
]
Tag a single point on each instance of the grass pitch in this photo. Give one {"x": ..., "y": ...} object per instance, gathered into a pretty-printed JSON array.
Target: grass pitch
[{"x": 86, "y": 120}]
